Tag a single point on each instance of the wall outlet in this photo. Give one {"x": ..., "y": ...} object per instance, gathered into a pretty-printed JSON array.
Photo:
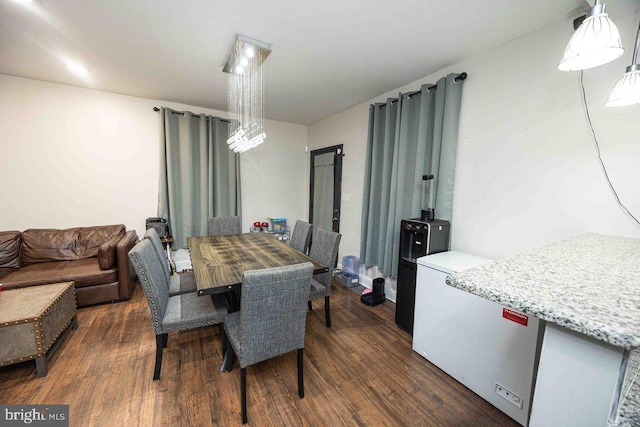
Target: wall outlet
[{"x": 508, "y": 395}]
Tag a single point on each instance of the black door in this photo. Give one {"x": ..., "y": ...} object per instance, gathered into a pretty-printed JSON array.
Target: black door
[{"x": 326, "y": 185}]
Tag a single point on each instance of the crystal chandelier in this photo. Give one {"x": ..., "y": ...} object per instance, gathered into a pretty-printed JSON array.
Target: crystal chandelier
[{"x": 245, "y": 94}]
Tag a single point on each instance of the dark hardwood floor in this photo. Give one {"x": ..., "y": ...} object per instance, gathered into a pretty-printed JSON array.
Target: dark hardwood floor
[{"x": 361, "y": 371}]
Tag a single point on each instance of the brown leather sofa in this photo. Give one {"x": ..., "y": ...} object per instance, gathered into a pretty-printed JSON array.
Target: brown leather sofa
[{"x": 95, "y": 258}]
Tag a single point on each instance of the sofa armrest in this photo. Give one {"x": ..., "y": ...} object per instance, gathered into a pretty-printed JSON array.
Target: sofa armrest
[{"x": 126, "y": 274}]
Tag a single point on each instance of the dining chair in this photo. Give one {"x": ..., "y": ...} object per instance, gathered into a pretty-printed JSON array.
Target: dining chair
[
  {"x": 301, "y": 236},
  {"x": 324, "y": 248},
  {"x": 171, "y": 313},
  {"x": 224, "y": 225},
  {"x": 271, "y": 320},
  {"x": 181, "y": 283}
]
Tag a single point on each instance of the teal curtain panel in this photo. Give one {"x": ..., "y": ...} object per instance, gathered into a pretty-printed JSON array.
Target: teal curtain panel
[
  {"x": 199, "y": 175},
  {"x": 412, "y": 136}
]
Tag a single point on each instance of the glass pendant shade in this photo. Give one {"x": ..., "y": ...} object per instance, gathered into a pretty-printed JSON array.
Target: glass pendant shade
[
  {"x": 595, "y": 42},
  {"x": 627, "y": 90}
]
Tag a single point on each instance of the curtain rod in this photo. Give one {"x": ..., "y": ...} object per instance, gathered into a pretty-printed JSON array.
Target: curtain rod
[
  {"x": 156, "y": 109},
  {"x": 461, "y": 76}
]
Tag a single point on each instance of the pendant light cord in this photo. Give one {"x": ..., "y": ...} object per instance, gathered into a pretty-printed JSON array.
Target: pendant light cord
[{"x": 632, "y": 218}]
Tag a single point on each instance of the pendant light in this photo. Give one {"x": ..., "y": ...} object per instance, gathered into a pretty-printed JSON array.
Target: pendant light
[
  {"x": 595, "y": 42},
  {"x": 627, "y": 90}
]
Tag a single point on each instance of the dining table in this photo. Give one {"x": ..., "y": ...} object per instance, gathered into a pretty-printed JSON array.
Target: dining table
[{"x": 219, "y": 263}]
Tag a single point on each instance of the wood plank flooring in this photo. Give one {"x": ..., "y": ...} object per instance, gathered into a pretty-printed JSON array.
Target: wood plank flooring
[{"x": 361, "y": 371}]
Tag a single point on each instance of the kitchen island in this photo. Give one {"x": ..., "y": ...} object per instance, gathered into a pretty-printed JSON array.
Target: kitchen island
[{"x": 587, "y": 289}]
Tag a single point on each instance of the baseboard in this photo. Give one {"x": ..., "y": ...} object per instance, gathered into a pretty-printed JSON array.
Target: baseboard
[{"x": 366, "y": 279}]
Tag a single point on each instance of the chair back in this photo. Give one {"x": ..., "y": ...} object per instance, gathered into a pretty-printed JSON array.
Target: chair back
[
  {"x": 273, "y": 311},
  {"x": 153, "y": 236},
  {"x": 224, "y": 225},
  {"x": 324, "y": 248},
  {"x": 301, "y": 236},
  {"x": 154, "y": 283}
]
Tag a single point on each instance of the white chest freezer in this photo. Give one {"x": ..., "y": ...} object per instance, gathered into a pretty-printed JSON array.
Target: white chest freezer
[{"x": 489, "y": 348}]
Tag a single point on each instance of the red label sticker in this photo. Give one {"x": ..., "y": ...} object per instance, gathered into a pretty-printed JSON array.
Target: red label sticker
[{"x": 514, "y": 316}]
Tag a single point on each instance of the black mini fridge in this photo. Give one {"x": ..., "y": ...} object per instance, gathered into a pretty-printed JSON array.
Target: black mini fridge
[{"x": 417, "y": 239}]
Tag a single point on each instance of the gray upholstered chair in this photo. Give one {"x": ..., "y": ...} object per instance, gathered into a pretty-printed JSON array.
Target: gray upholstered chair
[
  {"x": 324, "y": 248},
  {"x": 181, "y": 283},
  {"x": 301, "y": 236},
  {"x": 224, "y": 225},
  {"x": 271, "y": 320},
  {"x": 169, "y": 314}
]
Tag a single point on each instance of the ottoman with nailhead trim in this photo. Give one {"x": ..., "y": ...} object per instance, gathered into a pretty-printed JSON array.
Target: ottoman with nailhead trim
[{"x": 34, "y": 320}]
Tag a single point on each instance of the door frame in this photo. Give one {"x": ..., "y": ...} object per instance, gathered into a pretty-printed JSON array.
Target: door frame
[{"x": 337, "y": 182}]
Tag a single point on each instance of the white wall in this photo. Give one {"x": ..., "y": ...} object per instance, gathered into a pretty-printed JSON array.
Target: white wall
[
  {"x": 350, "y": 129},
  {"x": 274, "y": 175},
  {"x": 76, "y": 157},
  {"x": 526, "y": 172}
]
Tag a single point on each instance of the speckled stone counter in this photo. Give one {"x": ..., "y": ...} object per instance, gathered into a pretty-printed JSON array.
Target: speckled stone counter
[{"x": 589, "y": 284}]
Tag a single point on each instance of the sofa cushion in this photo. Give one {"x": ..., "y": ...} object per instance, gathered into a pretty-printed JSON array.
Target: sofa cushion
[
  {"x": 84, "y": 272},
  {"x": 49, "y": 245},
  {"x": 10, "y": 249},
  {"x": 91, "y": 238},
  {"x": 107, "y": 253}
]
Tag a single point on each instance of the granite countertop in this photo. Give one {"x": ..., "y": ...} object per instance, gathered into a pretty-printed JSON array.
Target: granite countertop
[{"x": 589, "y": 283}]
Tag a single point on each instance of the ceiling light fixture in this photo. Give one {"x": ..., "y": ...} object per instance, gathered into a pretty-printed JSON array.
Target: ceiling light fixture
[
  {"x": 245, "y": 93},
  {"x": 595, "y": 42},
  {"x": 627, "y": 90}
]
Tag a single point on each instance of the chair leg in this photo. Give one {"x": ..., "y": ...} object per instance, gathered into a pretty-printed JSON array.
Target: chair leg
[
  {"x": 160, "y": 344},
  {"x": 231, "y": 357},
  {"x": 310, "y": 306},
  {"x": 300, "y": 374},
  {"x": 223, "y": 336},
  {"x": 243, "y": 392},
  {"x": 327, "y": 312}
]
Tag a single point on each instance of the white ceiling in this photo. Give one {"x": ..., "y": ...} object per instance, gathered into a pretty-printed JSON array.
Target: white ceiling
[{"x": 326, "y": 55}]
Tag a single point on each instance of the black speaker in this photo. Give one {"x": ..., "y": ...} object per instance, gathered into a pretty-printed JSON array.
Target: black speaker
[{"x": 160, "y": 225}]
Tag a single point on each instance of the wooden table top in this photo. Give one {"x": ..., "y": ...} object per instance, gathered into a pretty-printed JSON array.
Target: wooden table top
[{"x": 219, "y": 262}]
